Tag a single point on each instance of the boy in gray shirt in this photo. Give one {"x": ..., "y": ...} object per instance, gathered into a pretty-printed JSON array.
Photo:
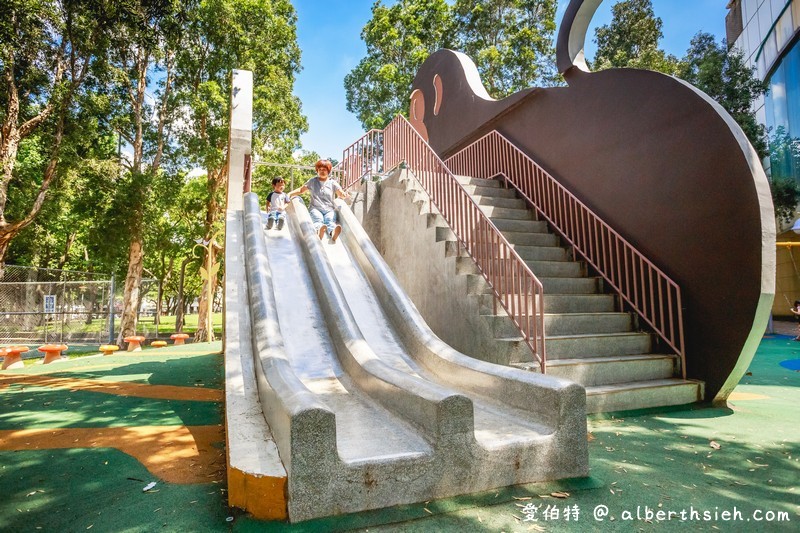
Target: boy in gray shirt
[{"x": 323, "y": 192}]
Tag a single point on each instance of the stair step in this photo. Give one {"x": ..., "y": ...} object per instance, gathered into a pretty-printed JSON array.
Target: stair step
[
  {"x": 497, "y": 201},
  {"x": 525, "y": 226},
  {"x": 579, "y": 303},
  {"x": 605, "y": 344},
  {"x": 571, "y": 285},
  {"x": 540, "y": 253},
  {"x": 494, "y": 191},
  {"x": 509, "y": 349},
  {"x": 481, "y": 182},
  {"x": 531, "y": 239},
  {"x": 556, "y": 269},
  {"x": 643, "y": 394},
  {"x": 557, "y": 324},
  {"x": 501, "y": 324},
  {"x": 514, "y": 349},
  {"x": 594, "y": 371},
  {"x": 565, "y": 303},
  {"x": 477, "y": 284},
  {"x": 506, "y": 213}
]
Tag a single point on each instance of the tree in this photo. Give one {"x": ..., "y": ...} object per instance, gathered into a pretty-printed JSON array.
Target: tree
[
  {"x": 145, "y": 45},
  {"x": 724, "y": 76},
  {"x": 784, "y": 155},
  {"x": 399, "y": 39},
  {"x": 221, "y": 33},
  {"x": 631, "y": 40},
  {"x": 47, "y": 50},
  {"x": 511, "y": 42}
]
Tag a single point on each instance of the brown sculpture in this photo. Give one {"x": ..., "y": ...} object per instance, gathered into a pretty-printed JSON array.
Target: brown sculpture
[{"x": 658, "y": 160}]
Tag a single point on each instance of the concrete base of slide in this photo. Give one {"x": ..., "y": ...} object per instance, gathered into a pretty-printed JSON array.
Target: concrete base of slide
[{"x": 366, "y": 407}]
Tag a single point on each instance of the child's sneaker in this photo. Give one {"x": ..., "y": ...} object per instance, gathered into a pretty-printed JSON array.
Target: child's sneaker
[
  {"x": 336, "y": 231},
  {"x": 280, "y": 224},
  {"x": 321, "y": 231},
  {"x": 270, "y": 222}
]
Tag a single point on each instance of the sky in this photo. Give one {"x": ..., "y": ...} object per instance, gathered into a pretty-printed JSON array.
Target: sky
[{"x": 329, "y": 35}]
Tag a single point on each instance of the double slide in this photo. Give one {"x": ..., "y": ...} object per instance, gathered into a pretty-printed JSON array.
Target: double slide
[{"x": 367, "y": 407}]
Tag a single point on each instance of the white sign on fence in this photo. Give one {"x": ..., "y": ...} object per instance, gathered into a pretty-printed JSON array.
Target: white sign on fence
[{"x": 49, "y": 304}]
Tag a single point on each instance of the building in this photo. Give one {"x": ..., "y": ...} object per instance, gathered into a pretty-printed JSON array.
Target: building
[{"x": 768, "y": 33}]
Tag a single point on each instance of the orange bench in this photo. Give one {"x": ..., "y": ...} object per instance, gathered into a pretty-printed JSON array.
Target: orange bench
[
  {"x": 179, "y": 338},
  {"x": 109, "y": 349},
  {"x": 12, "y": 356},
  {"x": 52, "y": 352},
  {"x": 134, "y": 343},
  {"x": 158, "y": 344}
]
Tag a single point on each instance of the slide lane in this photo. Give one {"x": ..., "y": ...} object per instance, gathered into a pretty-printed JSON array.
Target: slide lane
[
  {"x": 365, "y": 431},
  {"x": 496, "y": 425}
]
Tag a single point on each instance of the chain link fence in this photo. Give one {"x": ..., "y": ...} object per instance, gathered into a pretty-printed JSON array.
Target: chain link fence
[{"x": 45, "y": 305}]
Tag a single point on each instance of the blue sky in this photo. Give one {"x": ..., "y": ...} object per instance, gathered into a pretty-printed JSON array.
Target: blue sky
[{"x": 329, "y": 35}]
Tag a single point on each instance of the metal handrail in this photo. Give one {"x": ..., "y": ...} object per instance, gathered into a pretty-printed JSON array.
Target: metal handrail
[
  {"x": 515, "y": 286},
  {"x": 647, "y": 289},
  {"x": 336, "y": 173},
  {"x": 365, "y": 156}
]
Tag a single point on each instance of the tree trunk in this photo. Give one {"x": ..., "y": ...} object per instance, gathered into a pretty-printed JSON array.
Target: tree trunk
[
  {"x": 205, "y": 306},
  {"x": 159, "y": 295},
  {"x": 90, "y": 303},
  {"x": 67, "y": 246},
  {"x": 180, "y": 306},
  {"x": 133, "y": 281},
  {"x": 6, "y": 235}
]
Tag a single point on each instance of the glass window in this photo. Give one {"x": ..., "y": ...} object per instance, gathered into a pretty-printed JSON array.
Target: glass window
[
  {"x": 796, "y": 14},
  {"x": 770, "y": 51},
  {"x": 791, "y": 65},
  {"x": 784, "y": 30},
  {"x": 783, "y": 117}
]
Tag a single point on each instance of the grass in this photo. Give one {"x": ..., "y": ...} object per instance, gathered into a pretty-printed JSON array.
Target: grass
[
  {"x": 146, "y": 325},
  {"x": 167, "y": 324}
]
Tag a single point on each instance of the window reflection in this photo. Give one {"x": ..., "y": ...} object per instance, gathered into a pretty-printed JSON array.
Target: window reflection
[{"x": 783, "y": 117}]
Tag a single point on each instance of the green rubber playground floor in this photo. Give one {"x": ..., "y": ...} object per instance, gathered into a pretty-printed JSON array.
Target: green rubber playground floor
[{"x": 691, "y": 468}]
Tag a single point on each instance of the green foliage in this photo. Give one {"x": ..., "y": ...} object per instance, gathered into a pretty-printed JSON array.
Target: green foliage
[
  {"x": 785, "y": 195},
  {"x": 219, "y": 35},
  {"x": 631, "y": 40},
  {"x": 724, "y": 76},
  {"x": 784, "y": 154},
  {"x": 511, "y": 42},
  {"x": 180, "y": 55},
  {"x": 399, "y": 39}
]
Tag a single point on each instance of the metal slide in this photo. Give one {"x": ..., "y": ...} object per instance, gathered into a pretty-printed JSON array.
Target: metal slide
[{"x": 367, "y": 406}]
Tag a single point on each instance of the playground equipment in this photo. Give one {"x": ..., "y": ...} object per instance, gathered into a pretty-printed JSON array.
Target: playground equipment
[
  {"x": 340, "y": 397},
  {"x": 52, "y": 352},
  {"x": 108, "y": 349}
]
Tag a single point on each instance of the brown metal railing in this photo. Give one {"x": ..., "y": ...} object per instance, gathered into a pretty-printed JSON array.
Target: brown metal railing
[
  {"x": 302, "y": 172},
  {"x": 365, "y": 156},
  {"x": 640, "y": 283},
  {"x": 248, "y": 173},
  {"x": 514, "y": 285}
]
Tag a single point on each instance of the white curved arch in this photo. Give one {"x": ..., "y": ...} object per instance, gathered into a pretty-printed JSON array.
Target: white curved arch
[{"x": 472, "y": 76}]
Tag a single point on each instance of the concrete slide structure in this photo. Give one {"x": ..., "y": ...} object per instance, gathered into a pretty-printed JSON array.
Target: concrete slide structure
[{"x": 365, "y": 406}]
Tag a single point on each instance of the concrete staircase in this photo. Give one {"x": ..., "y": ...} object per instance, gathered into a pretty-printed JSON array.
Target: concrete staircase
[{"x": 588, "y": 339}]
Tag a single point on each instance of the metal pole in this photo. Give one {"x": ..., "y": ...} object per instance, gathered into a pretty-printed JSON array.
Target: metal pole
[
  {"x": 63, "y": 299},
  {"x": 111, "y": 313},
  {"x": 209, "y": 331}
]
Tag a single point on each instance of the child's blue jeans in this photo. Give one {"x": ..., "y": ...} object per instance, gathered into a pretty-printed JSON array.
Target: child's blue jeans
[
  {"x": 319, "y": 218},
  {"x": 276, "y": 215}
]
